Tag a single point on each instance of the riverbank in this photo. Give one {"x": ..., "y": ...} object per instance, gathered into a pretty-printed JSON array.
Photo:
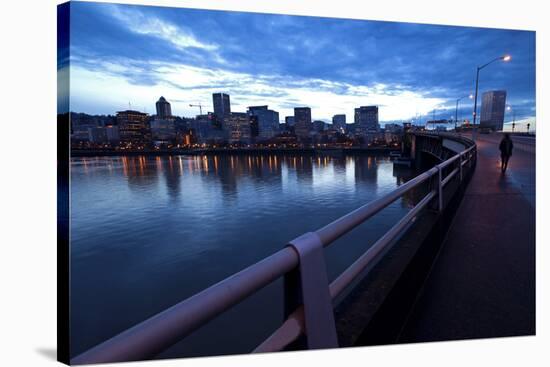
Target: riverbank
[{"x": 231, "y": 151}]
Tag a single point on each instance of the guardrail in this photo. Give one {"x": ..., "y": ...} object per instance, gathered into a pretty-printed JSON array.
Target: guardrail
[{"x": 308, "y": 296}]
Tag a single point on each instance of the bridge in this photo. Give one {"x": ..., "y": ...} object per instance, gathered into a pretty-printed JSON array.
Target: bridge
[
  {"x": 483, "y": 282},
  {"x": 459, "y": 264}
]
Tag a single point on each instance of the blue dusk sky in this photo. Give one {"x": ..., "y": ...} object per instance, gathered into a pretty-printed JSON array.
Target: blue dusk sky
[{"x": 121, "y": 54}]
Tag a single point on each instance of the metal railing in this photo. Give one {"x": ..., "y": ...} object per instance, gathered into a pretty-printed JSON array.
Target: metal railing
[{"x": 150, "y": 337}]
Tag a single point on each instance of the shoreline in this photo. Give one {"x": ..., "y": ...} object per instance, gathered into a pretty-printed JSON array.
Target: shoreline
[{"x": 235, "y": 151}]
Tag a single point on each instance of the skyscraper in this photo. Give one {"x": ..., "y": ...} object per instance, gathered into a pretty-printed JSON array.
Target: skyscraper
[
  {"x": 132, "y": 126},
  {"x": 222, "y": 105},
  {"x": 366, "y": 119},
  {"x": 163, "y": 108},
  {"x": 239, "y": 128},
  {"x": 302, "y": 122},
  {"x": 268, "y": 121},
  {"x": 492, "y": 109},
  {"x": 339, "y": 123}
]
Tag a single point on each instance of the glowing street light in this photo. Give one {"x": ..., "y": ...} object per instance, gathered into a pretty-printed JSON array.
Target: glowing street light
[{"x": 504, "y": 58}]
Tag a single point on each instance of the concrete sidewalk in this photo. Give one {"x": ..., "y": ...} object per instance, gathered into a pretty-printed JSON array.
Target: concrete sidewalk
[{"x": 483, "y": 281}]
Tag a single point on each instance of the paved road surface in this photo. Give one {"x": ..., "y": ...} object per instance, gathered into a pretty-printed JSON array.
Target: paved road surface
[
  {"x": 521, "y": 168},
  {"x": 483, "y": 282}
]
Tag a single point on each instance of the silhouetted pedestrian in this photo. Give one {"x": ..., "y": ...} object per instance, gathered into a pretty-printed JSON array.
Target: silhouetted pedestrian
[{"x": 505, "y": 147}]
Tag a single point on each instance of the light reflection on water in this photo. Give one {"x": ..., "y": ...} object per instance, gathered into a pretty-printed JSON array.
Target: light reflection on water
[{"x": 148, "y": 232}]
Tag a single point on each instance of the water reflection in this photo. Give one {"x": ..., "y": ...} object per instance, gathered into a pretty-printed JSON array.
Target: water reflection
[
  {"x": 141, "y": 174},
  {"x": 366, "y": 171},
  {"x": 172, "y": 176},
  {"x": 148, "y": 232}
]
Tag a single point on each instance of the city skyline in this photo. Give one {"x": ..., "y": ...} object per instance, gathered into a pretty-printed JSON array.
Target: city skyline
[
  {"x": 138, "y": 53},
  {"x": 132, "y": 129}
]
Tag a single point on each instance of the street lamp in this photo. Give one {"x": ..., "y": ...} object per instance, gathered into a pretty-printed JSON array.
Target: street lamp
[
  {"x": 456, "y": 111},
  {"x": 504, "y": 58}
]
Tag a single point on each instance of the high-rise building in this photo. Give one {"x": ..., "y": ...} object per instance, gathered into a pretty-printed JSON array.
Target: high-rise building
[
  {"x": 302, "y": 122},
  {"x": 222, "y": 105},
  {"x": 238, "y": 124},
  {"x": 492, "y": 109},
  {"x": 339, "y": 123},
  {"x": 254, "y": 130},
  {"x": 366, "y": 120},
  {"x": 163, "y": 129},
  {"x": 163, "y": 108},
  {"x": 268, "y": 121},
  {"x": 289, "y": 121},
  {"x": 200, "y": 127},
  {"x": 132, "y": 126}
]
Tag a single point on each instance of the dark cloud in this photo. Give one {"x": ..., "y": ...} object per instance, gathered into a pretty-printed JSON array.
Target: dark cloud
[{"x": 436, "y": 61}]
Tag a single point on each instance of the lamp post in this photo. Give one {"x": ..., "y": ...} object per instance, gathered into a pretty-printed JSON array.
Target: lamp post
[
  {"x": 456, "y": 111},
  {"x": 503, "y": 58}
]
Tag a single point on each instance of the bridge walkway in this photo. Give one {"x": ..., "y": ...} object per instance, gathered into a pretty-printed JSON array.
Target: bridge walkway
[{"x": 483, "y": 281}]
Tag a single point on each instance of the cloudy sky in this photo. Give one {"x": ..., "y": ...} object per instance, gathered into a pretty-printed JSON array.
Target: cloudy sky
[{"x": 121, "y": 54}]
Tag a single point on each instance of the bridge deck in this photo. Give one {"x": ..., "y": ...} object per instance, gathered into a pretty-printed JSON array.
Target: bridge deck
[{"x": 483, "y": 281}]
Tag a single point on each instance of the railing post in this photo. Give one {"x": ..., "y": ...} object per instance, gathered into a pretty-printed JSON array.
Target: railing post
[
  {"x": 308, "y": 285},
  {"x": 440, "y": 188}
]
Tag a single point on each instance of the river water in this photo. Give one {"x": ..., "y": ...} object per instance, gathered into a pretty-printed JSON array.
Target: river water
[{"x": 148, "y": 232}]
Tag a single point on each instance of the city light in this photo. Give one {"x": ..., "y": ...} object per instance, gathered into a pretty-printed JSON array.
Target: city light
[{"x": 257, "y": 128}]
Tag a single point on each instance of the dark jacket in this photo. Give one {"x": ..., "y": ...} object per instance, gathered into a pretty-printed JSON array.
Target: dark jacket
[{"x": 506, "y": 147}]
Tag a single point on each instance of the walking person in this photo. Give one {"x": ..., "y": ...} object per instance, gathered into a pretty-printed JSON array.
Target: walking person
[{"x": 506, "y": 146}]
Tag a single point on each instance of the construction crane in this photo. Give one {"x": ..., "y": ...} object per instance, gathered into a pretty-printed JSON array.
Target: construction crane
[{"x": 197, "y": 105}]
